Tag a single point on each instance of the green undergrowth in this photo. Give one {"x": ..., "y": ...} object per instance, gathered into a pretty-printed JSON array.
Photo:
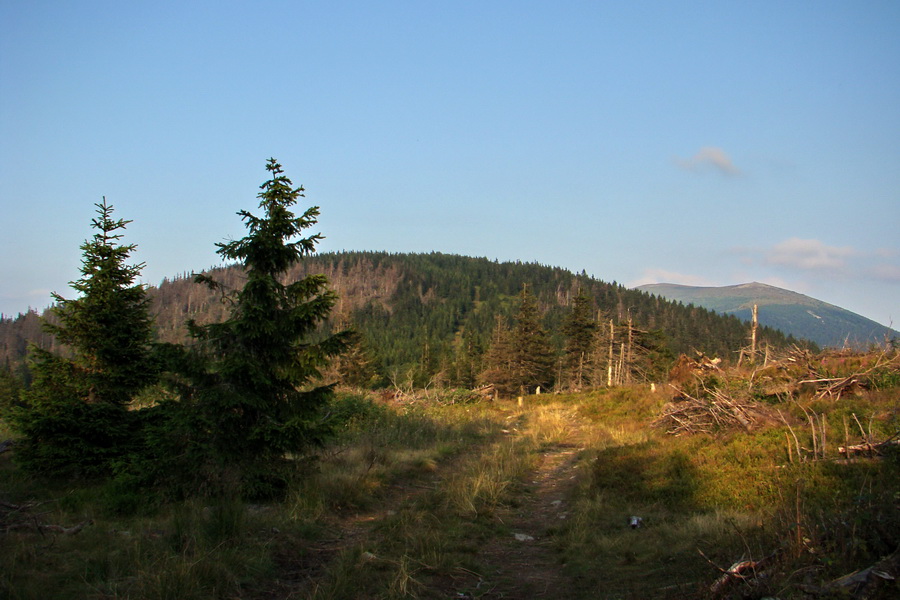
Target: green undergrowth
[
  {"x": 780, "y": 491},
  {"x": 401, "y": 502},
  {"x": 226, "y": 548}
]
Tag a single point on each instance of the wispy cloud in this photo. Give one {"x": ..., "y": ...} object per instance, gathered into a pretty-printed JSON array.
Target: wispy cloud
[
  {"x": 820, "y": 261},
  {"x": 709, "y": 158},
  {"x": 809, "y": 254}
]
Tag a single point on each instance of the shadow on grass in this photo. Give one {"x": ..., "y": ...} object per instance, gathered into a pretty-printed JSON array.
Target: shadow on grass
[{"x": 645, "y": 473}]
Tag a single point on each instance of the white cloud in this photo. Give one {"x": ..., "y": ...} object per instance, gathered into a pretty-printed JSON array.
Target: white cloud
[
  {"x": 816, "y": 261},
  {"x": 709, "y": 157},
  {"x": 808, "y": 254}
]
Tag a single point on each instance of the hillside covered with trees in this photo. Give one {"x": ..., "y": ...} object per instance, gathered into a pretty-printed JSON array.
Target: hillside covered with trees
[{"x": 434, "y": 319}]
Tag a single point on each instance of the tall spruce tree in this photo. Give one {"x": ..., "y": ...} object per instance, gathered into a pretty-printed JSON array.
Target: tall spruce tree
[
  {"x": 532, "y": 351},
  {"x": 500, "y": 360},
  {"x": 579, "y": 328},
  {"x": 259, "y": 401},
  {"x": 74, "y": 418}
]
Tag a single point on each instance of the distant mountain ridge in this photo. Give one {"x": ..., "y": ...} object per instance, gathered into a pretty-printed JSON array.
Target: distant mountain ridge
[{"x": 793, "y": 313}]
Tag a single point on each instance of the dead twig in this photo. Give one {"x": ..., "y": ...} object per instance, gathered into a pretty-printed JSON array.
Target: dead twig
[
  {"x": 859, "y": 583},
  {"x": 741, "y": 570},
  {"x": 42, "y": 527}
]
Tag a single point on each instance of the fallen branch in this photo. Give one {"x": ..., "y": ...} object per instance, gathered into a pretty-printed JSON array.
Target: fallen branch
[
  {"x": 869, "y": 448},
  {"x": 839, "y": 385},
  {"x": 42, "y": 527},
  {"x": 859, "y": 583},
  {"x": 742, "y": 570}
]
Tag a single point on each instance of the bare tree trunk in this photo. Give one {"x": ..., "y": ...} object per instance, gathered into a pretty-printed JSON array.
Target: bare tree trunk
[
  {"x": 609, "y": 364},
  {"x": 629, "y": 351},
  {"x": 753, "y": 327}
]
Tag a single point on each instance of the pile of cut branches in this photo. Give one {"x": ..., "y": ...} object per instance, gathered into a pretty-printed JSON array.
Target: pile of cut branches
[
  {"x": 836, "y": 373},
  {"x": 835, "y": 387},
  {"x": 711, "y": 398},
  {"x": 713, "y": 412},
  {"x": 437, "y": 396}
]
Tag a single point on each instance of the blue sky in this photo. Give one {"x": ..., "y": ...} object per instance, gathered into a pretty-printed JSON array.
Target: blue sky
[{"x": 704, "y": 143}]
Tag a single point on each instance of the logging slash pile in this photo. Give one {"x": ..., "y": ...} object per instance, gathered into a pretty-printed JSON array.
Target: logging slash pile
[
  {"x": 829, "y": 425},
  {"x": 710, "y": 398}
]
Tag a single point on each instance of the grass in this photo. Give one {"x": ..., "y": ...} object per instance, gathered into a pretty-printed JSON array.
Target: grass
[
  {"x": 187, "y": 552},
  {"x": 403, "y": 501}
]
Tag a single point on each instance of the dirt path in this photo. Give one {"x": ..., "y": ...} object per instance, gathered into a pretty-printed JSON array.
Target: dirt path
[
  {"x": 525, "y": 564},
  {"x": 521, "y": 564}
]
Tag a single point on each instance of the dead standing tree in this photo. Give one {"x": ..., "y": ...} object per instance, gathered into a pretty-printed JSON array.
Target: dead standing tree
[{"x": 750, "y": 352}]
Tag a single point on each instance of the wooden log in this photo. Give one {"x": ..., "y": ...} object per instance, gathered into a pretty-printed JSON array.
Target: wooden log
[{"x": 872, "y": 449}]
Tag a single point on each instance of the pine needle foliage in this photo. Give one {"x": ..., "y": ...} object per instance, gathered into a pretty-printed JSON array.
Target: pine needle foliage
[
  {"x": 520, "y": 360},
  {"x": 74, "y": 419},
  {"x": 532, "y": 350},
  {"x": 108, "y": 327},
  {"x": 262, "y": 359},
  {"x": 579, "y": 327},
  {"x": 500, "y": 362}
]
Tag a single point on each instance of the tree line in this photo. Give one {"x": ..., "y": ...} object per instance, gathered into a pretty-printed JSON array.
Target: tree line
[{"x": 431, "y": 319}]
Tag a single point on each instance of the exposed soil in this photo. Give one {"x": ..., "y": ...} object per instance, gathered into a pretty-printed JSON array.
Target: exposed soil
[{"x": 525, "y": 564}]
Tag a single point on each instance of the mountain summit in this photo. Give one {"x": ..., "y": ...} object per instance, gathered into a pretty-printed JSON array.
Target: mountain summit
[{"x": 791, "y": 312}]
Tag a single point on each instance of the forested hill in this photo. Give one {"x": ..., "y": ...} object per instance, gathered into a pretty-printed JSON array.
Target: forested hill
[{"x": 427, "y": 315}]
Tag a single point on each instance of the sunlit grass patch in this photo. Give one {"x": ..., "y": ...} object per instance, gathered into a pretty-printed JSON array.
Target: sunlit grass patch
[
  {"x": 488, "y": 480},
  {"x": 625, "y": 406},
  {"x": 551, "y": 424}
]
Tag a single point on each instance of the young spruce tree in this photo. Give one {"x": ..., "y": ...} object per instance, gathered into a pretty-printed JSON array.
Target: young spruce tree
[
  {"x": 108, "y": 327},
  {"x": 261, "y": 405},
  {"x": 74, "y": 418}
]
